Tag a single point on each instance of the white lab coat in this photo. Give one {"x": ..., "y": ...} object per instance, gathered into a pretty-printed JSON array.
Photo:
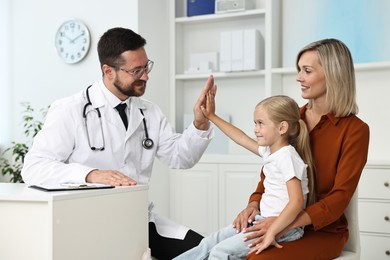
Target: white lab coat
[{"x": 61, "y": 153}]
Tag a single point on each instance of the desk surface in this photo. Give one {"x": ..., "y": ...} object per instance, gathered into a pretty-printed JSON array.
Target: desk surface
[{"x": 21, "y": 192}]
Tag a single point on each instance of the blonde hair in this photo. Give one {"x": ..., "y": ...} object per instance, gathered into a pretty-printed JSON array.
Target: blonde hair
[
  {"x": 283, "y": 108},
  {"x": 336, "y": 60}
]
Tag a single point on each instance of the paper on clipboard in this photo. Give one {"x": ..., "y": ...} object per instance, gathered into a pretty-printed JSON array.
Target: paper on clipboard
[{"x": 71, "y": 186}]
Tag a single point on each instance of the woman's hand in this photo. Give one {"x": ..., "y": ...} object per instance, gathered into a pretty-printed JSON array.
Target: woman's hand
[
  {"x": 266, "y": 241},
  {"x": 257, "y": 230},
  {"x": 246, "y": 216}
]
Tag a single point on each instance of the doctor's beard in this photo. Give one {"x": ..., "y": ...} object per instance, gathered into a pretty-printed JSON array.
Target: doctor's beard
[{"x": 135, "y": 89}]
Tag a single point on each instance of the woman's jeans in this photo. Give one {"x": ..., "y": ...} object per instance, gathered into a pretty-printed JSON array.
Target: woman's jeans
[{"x": 227, "y": 244}]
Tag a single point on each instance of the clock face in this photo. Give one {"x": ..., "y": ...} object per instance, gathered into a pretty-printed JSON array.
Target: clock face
[{"x": 72, "y": 41}]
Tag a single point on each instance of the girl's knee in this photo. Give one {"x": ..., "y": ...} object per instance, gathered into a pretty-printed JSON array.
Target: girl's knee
[{"x": 222, "y": 251}]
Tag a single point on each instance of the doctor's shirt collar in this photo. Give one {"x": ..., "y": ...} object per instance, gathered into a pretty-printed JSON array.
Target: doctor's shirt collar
[{"x": 111, "y": 98}]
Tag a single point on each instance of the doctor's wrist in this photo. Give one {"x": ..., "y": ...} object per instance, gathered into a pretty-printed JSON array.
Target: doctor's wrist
[
  {"x": 205, "y": 125},
  {"x": 90, "y": 177}
]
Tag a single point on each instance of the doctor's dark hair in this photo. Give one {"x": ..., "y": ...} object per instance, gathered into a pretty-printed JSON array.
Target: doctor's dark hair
[
  {"x": 282, "y": 108},
  {"x": 116, "y": 41}
]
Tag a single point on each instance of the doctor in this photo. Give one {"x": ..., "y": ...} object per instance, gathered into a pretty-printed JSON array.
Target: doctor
[{"x": 86, "y": 139}]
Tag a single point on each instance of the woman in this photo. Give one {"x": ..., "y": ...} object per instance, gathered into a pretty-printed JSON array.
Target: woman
[{"x": 339, "y": 141}]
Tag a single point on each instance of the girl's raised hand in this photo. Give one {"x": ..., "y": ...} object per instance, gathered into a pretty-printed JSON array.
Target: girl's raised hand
[{"x": 209, "y": 109}]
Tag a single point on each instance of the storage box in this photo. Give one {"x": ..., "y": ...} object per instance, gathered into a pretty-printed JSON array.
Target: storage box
[
  {"x": 253, "y": 50},
  {"x": 200, "y": 7},
  {"x": 241, "y": 50},
  {"x": 225, "y": 6},
  {"x": 237, "y": 50},
  {"x": 225, "y": 51}
]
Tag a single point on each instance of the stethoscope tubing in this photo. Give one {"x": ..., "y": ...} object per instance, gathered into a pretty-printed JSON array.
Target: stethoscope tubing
[{"x": 147, "y": 142}]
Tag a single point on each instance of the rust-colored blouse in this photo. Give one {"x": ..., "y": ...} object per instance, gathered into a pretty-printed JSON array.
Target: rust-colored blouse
[{"x": 340, "y": 149}]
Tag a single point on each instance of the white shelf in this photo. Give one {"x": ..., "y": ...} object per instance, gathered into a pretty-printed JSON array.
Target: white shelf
[
  {"x": 239, "y": 74},
  {"x": 219, "y": 17},
  {"x": 282, "y": 71},
  {"x": 372, "y": 66},
  {"x": 381, "y": 164}
]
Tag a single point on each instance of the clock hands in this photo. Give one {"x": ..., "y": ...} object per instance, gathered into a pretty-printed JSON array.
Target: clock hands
[
  {"x": 74, "y": 39},
  {"x": 66, "y": 36}
]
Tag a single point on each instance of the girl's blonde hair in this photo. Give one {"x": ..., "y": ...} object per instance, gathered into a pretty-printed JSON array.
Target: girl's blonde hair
[
  {"x": 336, "y": 60},
  {"x": 283, "y": 108}
]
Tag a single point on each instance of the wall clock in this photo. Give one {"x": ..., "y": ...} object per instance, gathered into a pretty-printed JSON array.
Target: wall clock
[{"x": 72, "y": 41}]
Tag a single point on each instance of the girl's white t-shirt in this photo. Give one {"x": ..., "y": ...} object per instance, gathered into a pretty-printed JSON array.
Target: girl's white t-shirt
[{"x": 279, "y": 167}]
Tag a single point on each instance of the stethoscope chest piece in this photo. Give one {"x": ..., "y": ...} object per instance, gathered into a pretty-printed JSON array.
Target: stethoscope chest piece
[{"x": 147, "y": 143}]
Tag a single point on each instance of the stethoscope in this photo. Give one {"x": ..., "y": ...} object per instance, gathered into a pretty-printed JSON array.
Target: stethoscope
[{"x": 147, "y": 143}]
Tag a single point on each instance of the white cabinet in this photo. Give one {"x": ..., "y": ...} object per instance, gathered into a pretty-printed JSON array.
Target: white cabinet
[
  {"x": 194, "y": 197},
  {"x": 236, "y": 184},
  {"x": 210, "y": 195},
  {"x": 374, "y": 212}
]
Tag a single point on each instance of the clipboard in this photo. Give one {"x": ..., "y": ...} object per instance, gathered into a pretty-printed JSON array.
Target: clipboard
[{"x": 71, "y": 186}]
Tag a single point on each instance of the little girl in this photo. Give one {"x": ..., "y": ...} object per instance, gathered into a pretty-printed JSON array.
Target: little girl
[{"x": 282, "y": 140}]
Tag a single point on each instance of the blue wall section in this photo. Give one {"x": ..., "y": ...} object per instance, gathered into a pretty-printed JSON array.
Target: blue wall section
[{"x": 364, "y": 25}]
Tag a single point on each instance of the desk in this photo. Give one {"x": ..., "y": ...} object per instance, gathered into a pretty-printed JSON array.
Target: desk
[{"x": 89, "y": 224}]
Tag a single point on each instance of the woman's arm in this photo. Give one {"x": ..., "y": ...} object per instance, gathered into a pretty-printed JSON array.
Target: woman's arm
[
  {"x": 338, "y": 170},
  {"x": 228, "y": 129}
]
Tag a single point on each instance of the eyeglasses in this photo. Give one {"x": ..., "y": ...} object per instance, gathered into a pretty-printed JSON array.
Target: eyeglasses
[{"x": 137, "y": 73}]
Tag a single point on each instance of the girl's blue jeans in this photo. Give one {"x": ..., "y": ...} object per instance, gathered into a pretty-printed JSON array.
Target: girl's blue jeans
[{"x": 227, "y": 244}]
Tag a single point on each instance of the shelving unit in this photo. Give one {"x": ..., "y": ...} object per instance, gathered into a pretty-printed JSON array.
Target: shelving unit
[{"x": 201, "y": 34}]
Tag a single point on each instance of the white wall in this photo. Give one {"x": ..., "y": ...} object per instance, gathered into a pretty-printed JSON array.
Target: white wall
[
  {"x": 34, "y": 72},
  {"x": 4, "y": 68}
]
